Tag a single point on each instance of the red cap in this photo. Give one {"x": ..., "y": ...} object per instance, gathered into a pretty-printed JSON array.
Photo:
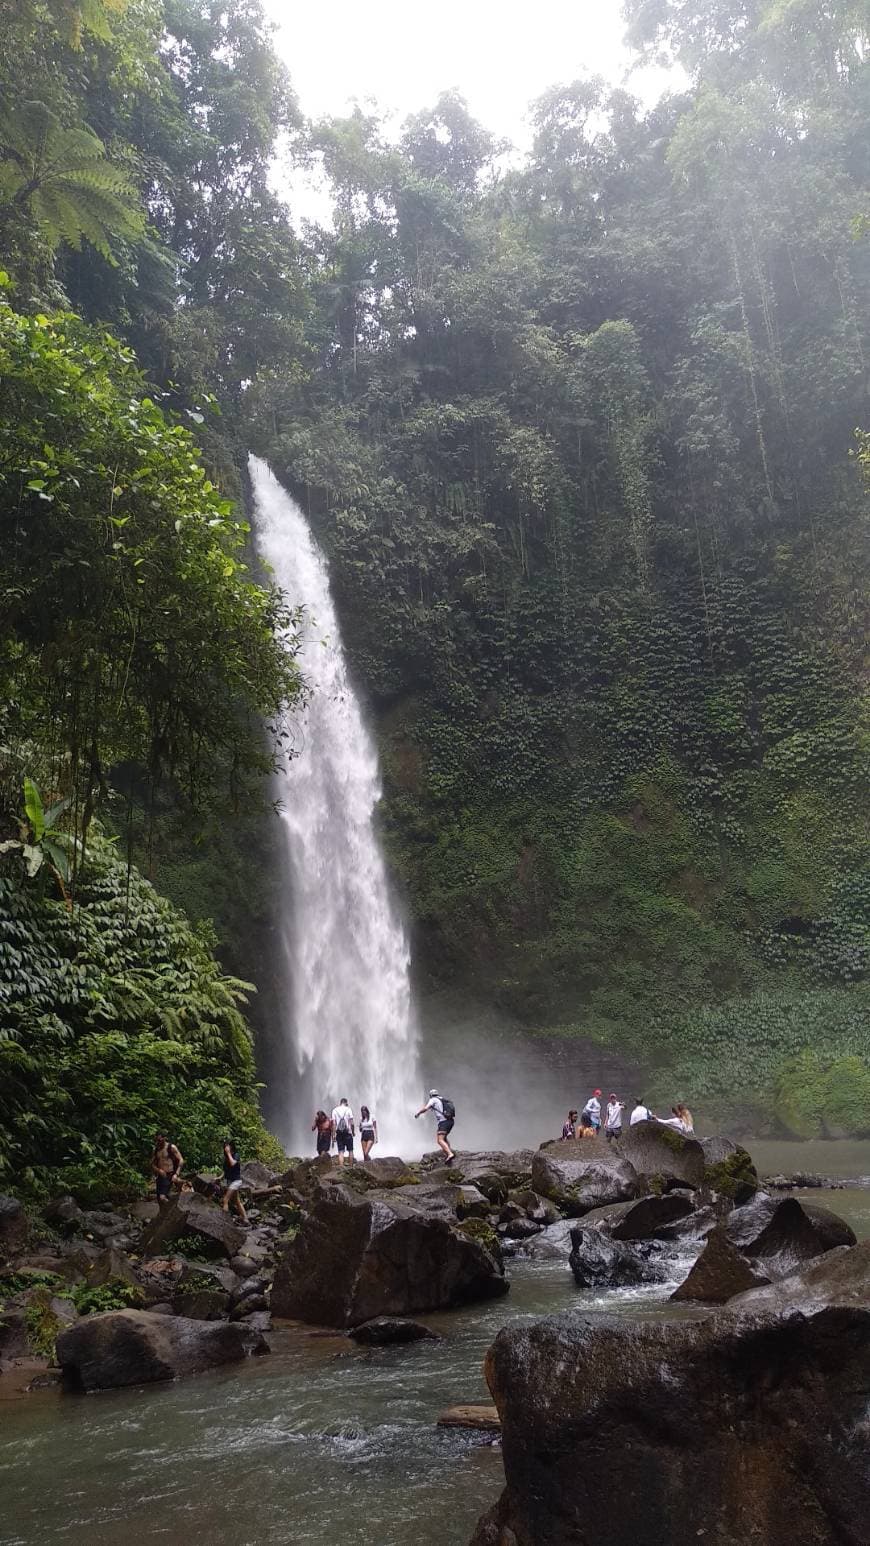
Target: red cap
[{"x": 596, "y": 1092}]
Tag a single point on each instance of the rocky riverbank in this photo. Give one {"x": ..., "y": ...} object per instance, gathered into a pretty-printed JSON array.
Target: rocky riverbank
[{"x": 112, "y": 1296}]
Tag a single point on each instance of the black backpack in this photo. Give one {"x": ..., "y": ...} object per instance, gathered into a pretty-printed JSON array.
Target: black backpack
[{"x": 449, "y": 1109}]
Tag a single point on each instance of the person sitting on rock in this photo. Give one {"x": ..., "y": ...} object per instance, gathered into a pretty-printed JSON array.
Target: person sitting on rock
[
  {"x": 368, "y": 1131},
  {"x": 681, "y": 1120},
  {"x": 322, "y": 1126},
  {"x": 343, "y": 1128},
  {"x": 591, "y": 1116},
  {"x": 641, "y": 1113},
  {"x": 569, "y": 1128},
  {"x": 444, "y": 1118},
  {"x": 613, "y": 1118},
  {"x": 233, "y": 1179},
  {"x": 167, "y": 1161}
]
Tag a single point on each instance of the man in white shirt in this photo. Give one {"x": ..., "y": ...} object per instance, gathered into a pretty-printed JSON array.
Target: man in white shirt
[
  {"x": 613, "y": 1118},
  {"x": 443, "y": 1123},
  {"x": 641, "y": 1113},
  {"x": 342, "y": 1126}
]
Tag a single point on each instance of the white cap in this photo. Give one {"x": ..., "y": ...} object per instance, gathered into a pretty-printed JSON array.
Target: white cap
[{"x": 432, "y": 1092}]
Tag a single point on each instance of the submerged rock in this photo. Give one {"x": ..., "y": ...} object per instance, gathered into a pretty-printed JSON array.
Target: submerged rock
[
  {"x": 388, "y": 1330},
  {"x": 578, "y": 1181},
  {"x": 745, "y": 1427},
  {"x": 134, "y": 1347},
  {"x": 719, "y": 1273},
  {"x": 357, "y": 1257}
]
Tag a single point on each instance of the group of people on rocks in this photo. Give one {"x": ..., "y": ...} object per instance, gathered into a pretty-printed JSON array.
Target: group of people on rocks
[
  {"x": 594, "y": 1118},
  {"x": 339, "y": 1131},
  {"x": 167, "y": 1167}
]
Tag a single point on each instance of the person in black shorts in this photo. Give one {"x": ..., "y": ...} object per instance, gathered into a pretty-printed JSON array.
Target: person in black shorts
[
  {"x": 443, "y": 1123},
  {"x": 343, "y": 1128},
  {"x": 322, "y": 1126}
]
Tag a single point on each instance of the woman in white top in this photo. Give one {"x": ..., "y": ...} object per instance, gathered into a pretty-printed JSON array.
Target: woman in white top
[{"x": 368, "y": 1131}]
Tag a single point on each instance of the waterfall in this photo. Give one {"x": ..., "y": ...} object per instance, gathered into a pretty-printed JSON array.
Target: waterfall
[{"x": 347, "y": 1009}]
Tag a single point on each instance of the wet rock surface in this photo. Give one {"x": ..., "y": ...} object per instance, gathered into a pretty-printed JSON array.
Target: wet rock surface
[
  {"x": 749, "y": 1426},
  {"x": 358, "y": 1257},
  {"x": 389, "y": 1330},
  {"x": 578, "y": 1177},
  {"x": 598, "y": 1260},
  {"x": 719, "y": 1273},
  {"x": 191, "y": 1214},
  {"x": 133, "y": 1347}
]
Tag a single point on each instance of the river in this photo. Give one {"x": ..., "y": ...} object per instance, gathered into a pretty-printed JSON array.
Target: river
[{"x": 320, "y": 1441}]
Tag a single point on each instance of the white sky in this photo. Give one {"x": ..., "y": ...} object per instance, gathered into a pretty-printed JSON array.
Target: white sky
[{"x": 499, "y": 54}]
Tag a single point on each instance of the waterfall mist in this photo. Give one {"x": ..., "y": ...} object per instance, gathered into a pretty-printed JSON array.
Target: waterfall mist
[{"x": 347, "y": 1023}]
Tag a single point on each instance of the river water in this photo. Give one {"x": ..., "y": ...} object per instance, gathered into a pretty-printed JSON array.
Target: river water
[{"x": 319, "y": 1441}]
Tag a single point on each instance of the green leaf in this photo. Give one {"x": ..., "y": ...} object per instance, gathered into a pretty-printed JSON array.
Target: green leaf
[{"x": 33, "y": 809}]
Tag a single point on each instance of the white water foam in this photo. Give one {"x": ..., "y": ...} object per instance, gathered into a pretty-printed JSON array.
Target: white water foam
[{"x": 348, "y": 1011}]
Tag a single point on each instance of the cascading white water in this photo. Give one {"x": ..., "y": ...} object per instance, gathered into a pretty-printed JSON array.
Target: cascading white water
[{"x": 349, "y": 1011}]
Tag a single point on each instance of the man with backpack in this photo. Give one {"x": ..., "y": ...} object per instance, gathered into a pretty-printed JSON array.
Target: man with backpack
[
  {"x": 343, "y": 1128},
  {"x": 445, "y": 1116}
]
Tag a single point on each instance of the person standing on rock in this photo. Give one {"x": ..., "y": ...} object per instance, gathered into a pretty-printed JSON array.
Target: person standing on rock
[
  {"x": 445, "y": 1115},
  {"x": 591, "y": 1116},
  {"x": 343, "y": 1128},
  {"x": 613, "y": 1118},
  {"x": 233, "y": 1179},
  {"x": 167, "y": 1161},
  {"x": 322, "y": 1126},
  {"x": 368, "y": 1131}
]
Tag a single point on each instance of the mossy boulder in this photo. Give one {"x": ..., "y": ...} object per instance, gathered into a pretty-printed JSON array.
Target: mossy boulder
[{"x": 583, "y": 1181}]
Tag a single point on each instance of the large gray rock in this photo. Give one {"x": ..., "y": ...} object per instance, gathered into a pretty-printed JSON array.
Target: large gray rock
[
  {"x": 782, "y": 1233},
  {"x": 599, "y": 1261},
  {"x": 495, "y": 1173},
  {"x": 578, "y": 1180},
  {"x": 719, "y": 1273},
  {"x": 358, "y": 1257},
  {"x": 643, "y": 1219},
  {"x": 134, "y": 1347},
  {"x": 658, "y": 1151},
  {"x": 746, "y": 1427},
  {"x": 552, "y": 1244},
  {"x": 838, "y": 1280},
  {"x": 13, "y": 1227},
  {"x": 190, "y": 1214}
]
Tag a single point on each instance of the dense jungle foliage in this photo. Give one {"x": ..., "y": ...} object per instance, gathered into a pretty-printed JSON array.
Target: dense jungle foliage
[{"x": 579, "y": 434}]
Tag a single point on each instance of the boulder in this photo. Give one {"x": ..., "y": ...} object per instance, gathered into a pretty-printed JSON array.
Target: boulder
[
  {"x": 258, "y": 1176},
  {"x": 494, "y": 1173},
  {"x": 190, "y": 1214},
  {"x": 469, "y": 1202},
  {"x": 250, "y": 1306},
  {"x": 719, "y": 1273},
  {"x": 134, "y": 1347},
  {"x": 112, "y": 1266},
  {"x": 781, "y": 1233},
  {"x": 552, "y": 1244},
  {"x": 729, "y": 1169},
  {"x": 599, "y": 1261},
  {"x": 202, "y": 1304},
  {"x": 13, "y": 1227},
  {"x": 103, "y": 1225},
  {"x": 386, "y": 1330},
  {"x": 432, "y": 1199},
  {"x": 658, "y": 1151},
  {"x": 735, "y": 1429},
  {"x": 358, "y": 1257},
  {"x": 583, "y": 1181},
  {"x": 643, "y": 1219},
  {"x": 62, "y": 1210},
  {"x": 839, "y": 1280},
  {"x": 539, "y": 1209}
]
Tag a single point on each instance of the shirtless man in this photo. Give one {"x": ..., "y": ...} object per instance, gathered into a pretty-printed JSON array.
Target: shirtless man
[{"x": 166, "y": 1163}]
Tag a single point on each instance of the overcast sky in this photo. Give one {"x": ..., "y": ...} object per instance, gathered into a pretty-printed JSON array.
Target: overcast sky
[{"x": 499, "y": 54}]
